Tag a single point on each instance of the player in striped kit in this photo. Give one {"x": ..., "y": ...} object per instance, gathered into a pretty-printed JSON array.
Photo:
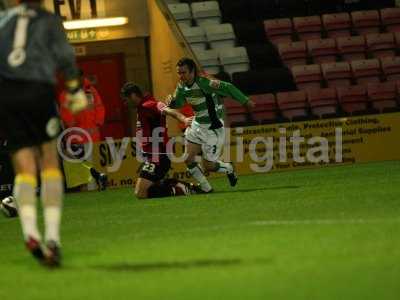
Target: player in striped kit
[{"x": 206, "y": 135}]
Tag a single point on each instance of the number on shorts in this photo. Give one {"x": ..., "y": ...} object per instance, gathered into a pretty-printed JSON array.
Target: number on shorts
[
  {"x": 214, "y": 149},
  {"x": 149, "y": 167}
]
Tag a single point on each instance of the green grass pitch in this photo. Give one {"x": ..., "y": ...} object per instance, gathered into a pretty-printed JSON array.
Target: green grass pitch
[{"x": 331, "y": 233}]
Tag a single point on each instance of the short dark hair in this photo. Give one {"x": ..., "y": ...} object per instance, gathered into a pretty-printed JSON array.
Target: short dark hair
[
  {"x": 190, "y": 63},
  {"x": 131, "y": 88}
]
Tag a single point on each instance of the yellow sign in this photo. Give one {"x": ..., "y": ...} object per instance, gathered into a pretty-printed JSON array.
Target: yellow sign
[{"x": 278, "y": 147}]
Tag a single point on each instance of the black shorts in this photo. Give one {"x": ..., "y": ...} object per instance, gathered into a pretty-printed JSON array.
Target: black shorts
[
  {"x": 28, "y": 115},
  {"x": 154, "y": 170}
]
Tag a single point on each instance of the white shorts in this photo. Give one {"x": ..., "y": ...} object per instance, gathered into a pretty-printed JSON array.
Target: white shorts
[{"x": 211, "y": 141}]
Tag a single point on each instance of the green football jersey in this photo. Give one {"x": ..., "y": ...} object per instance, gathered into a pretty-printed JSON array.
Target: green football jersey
[{"x": 205, "y": 97}]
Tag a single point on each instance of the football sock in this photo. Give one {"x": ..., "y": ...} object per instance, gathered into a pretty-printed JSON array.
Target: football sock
[
  {"x": 197, "y": 174},
  {"x": 25, "y": 195},
  {"x": 223, "y": 167},
  {"x": 51, "y": 194}
]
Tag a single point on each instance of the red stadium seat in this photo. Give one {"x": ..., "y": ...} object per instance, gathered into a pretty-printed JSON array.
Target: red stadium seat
[
  {"x": 366, "y": 71},
  {"x": 293, "y": 105},
  {"x": 322, "y": 51},
  {"x": 307, "y": 76},
  {"x": 293, "y": 53},
  {"x": 233, "y": 107},
  {"x": 265, "y": 110},
  {"x": 236, "y": 114},
  {"x": 366, "y": 21},
  {"x": 337, "y": 25},
  {"x": 391, "y": 19},
  {"x": 337, "y": 74},
  {"x": 308, "y": 28},
  {"x": 323, "y": 102},
  {"x": 351, "y": 48},
  {"x": 391, "y": 67},
  {"x": 381, "y": 44},
  {"x": 236, "y": 120},
  {"x": 353, "y": 99},
  {"x": 279, "y": 30},
  {"x": 383, "y": 96}
]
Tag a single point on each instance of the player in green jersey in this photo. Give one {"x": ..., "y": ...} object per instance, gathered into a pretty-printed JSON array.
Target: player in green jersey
[{"x": 206, "y": 135}]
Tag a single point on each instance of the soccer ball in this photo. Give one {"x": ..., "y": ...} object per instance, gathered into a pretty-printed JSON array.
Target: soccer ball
[{"x": 9, "y": 207}]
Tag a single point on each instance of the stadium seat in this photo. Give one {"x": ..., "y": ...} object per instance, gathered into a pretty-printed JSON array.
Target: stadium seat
[
  {"x": 195, "y": 36},
  {"x": 272, "y": 80},
  {"x": 220, "y": 35},
  {"x": 308, "y": 28},
  {"x": 250, "y": 32},
  {"x": 293, "y": 105},
  {"x": 383, "y": 96},
  {"x": 323, "y": 102},
  {"x": 234, "y": 59},
  {"x": 294, "y": 53},
  {"x": 391, "y": 67},
  {"x": 181, "y": 13},
  {"x": 307, "y": 76},
  {"x": 209, "y": 60},
  {"x": 279, "y": 30},
  {"x": 366, "y": 21},
  {"x": 337, "y": 74},
  {"x": 391, "y": 19},
  {"x": 236, "y": 114},
  {"x": 322, "y": 51},
  {"x": 265, "y": 110},
  {"x": 353, "y": 99},
  {"x": 366, "y": 71},
  {"x": 351, "y": 48},
  {"x": 337, "y": 25},
  {"x": 206, "y": 13},
  {"x": 381, "y": 44},
  {"x": 263, "y": 56}
]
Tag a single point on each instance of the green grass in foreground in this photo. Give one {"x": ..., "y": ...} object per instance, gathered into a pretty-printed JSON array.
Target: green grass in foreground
[{"x": 332, "y": 233}]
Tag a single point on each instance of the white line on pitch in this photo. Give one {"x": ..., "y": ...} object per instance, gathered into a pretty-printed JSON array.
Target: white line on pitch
[{"x": 321, "y": 222}]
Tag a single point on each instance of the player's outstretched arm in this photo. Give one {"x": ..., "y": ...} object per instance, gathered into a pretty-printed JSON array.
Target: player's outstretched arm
[
  {"x": 227, "y": 89},
  {"x": 177, "y": 116}
]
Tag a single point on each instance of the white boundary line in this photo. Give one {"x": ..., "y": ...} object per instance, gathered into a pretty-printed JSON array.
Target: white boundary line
[{"x": 321, "y": 222}]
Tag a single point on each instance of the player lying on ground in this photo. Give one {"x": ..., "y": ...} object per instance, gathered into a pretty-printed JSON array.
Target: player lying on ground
[
  {"x": 152, "y": 117},
  {"x": 206, "y": 134},
  {"x": 33, "y": 47}
]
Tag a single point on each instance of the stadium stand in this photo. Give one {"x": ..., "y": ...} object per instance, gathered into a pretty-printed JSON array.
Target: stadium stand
[
  {"x": 366, "y": 71},
  {"x": 323, "y": 102},
  {"x": 383, "y": 96},
  {"x": 300, "y": 58},
  {"x": 337, "y": 25},
  {"x": 307, "y": 76}
]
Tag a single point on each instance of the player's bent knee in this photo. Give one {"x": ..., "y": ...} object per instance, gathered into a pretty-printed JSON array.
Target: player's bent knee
[{"x": 141, "y": 192}]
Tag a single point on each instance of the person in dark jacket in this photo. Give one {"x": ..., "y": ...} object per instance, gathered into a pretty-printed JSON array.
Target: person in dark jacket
[{"x": 33, "y": 47}]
